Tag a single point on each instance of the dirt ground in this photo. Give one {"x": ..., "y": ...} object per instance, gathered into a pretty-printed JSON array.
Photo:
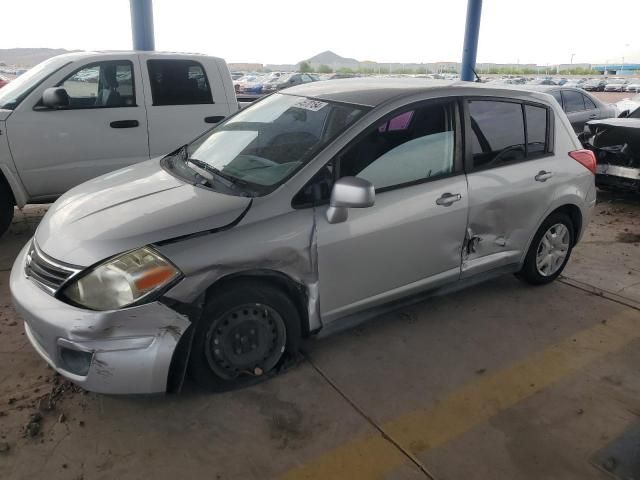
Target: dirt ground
[{"x": 501, "y": 381}]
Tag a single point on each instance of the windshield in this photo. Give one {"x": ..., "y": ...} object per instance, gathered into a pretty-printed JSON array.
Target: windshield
[
  {"x": 263, "y": 145},
  {"x": 13, "y": 93}
]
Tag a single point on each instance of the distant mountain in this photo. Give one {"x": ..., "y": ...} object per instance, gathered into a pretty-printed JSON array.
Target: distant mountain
[
  {"x": 28, "y": 57},
  {"x": 333, "y": 60}
]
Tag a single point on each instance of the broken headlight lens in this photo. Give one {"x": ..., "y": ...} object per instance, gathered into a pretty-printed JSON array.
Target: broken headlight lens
[{"x": 122, "y": 281}]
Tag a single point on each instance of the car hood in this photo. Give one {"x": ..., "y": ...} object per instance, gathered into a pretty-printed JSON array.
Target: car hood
[{"x": 130, "y": 208}]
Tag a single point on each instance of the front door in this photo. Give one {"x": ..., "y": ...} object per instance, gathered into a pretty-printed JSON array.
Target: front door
[
  {"x": 412, "y": 237},
  {"x": 511, "y": 180},
  {"x": 103, "y": 128}
]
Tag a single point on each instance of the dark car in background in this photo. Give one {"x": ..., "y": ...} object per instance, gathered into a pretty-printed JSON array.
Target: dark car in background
[
  {"x": 579, "y": 106},
  {"x": 594, "y": 85},
  {"x": 285, "y": 81}
]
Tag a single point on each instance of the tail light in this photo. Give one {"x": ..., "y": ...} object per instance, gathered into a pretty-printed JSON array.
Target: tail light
[{"x": 586, "y": 158}]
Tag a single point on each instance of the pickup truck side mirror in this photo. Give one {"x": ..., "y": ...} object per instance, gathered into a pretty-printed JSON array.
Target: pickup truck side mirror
[
  {"x": 349, "y": 192},
  {"x": 55, "y": 98}
]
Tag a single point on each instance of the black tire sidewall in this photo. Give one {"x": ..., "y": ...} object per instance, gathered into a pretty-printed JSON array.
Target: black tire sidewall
[
  {"x": 235, "y": 294},
  {"x": 529, "y": 272}
]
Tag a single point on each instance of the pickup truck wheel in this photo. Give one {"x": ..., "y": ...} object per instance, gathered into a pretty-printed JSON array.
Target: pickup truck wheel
[
  {"x": 6, "y": 210},
  {"x": 243, "y": 334},
  {"x": 549, "y": 251}
]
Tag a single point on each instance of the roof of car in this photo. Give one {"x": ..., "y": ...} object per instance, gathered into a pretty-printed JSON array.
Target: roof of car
[{"x": 376, "y": 91}]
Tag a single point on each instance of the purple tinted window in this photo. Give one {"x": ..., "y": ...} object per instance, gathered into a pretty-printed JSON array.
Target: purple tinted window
[{"x": 401, "y": 122}]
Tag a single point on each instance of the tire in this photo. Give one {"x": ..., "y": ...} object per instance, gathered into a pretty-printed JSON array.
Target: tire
[
  {"x": 551, "y": 265},
  {"x": 244, "y": 335},
  {"x": 6, "y": 209}
]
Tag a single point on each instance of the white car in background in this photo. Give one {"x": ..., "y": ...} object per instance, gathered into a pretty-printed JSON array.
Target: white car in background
[
  {"x": 615, "y": 85},
  {"x": 633, "y": 85},
  {"x": 628, "y": 104}
]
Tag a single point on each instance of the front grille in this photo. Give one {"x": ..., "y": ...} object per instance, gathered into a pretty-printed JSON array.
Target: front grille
[{"x": 47, "y": 273}]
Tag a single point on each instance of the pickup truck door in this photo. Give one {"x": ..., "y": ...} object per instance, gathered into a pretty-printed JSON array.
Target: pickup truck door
[
  {"x": 185, "y": 96},
  {"x": 103, "y": 129}
]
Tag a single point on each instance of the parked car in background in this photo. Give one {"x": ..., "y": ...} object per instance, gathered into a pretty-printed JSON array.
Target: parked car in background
[
  {"x": 3, "y": 81},
  {"x": 616, "y": 143},
  {"x": 633, "y": 85},
  {"x": 594, "y": 85},
  {"x": 579, "y": 106},
  {"x": 628, "y": 105},
  {"x": 541, "y": 81},
  {"x": 236, "y": 75},
  {"x": 80, "y": 115},
  {"x": 574, "y": 84},
  {"x": 615, "y": 85},
  {"x": 286, "y": 81},
  {"x": 379, "y": 202}
]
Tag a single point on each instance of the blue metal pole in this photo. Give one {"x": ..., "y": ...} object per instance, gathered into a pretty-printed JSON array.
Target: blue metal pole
[
  {"x": 471, "y": 34},
  {"x": 142, "y": 24}
]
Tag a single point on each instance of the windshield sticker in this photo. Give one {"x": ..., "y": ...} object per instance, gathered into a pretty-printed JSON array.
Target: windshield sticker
[{"x": 312, "y": 105}]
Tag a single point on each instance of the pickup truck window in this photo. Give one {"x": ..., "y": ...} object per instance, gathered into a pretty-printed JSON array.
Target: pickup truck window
[
  {"x": 178, "y": 82},
  {"x": 100, "y": 85}
]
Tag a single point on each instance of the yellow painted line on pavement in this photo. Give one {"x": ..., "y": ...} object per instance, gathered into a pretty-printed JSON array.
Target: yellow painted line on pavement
[{"x": 475, "y": 402}]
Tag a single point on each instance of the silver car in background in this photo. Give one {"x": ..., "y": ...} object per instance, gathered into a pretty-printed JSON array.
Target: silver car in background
[{"x": 307, "y": 208}]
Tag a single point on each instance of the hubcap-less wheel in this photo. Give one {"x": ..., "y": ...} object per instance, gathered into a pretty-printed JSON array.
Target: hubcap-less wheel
[
  {"x": 552, "y": 250},
  {"x": 248, "y": 339}
]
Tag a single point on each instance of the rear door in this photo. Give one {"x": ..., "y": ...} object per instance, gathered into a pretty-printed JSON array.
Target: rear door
[
  {"x": 510, "y": 169},
  {"x": 103, "y": 128},
  {"x": 184, "y": 96}
]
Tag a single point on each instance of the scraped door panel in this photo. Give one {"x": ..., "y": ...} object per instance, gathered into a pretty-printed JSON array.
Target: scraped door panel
[{"x": 505, "y": 206}]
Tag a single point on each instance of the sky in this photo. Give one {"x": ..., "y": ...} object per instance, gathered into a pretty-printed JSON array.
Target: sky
[{"x": 410, "y": 31}]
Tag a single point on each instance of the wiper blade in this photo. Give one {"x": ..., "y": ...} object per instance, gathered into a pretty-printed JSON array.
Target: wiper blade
[{"x": 233, "y": 181}]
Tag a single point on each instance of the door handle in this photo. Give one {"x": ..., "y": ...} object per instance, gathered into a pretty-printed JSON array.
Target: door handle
[
  {"x": 215, "y": 119},
  {"x": 448, "y": 199},
  {"x": 124, "y": 124},
  {"x": 543, "y": 176},
  {"x": 593, "y": 115}
]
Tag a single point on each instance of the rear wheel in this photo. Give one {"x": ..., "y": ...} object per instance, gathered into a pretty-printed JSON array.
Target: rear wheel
[
  {"x": 243, "y": 335},
  {"x": 549, "y": 251},
  {"x": 6, "y": 209}
]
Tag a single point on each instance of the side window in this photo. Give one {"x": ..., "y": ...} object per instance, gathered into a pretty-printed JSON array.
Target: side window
[
  {"x": 588, "y": 103},
  {"x": 178, "y": 82},
  {"x": 556, "y": 94},
  {"x": 306, "y": 78},
  {"x": 104, "y": 84},
  {"x": 497, "y": 132},
  {"x": 573, "y": 101},
  {"x": 412, "y": 146},
  {"x": 536, "y": 130}
]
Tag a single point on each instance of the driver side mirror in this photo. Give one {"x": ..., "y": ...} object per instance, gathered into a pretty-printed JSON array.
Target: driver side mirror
[
  {"x": 55, "y": 98},
  {"x": 349, "y": 192}
]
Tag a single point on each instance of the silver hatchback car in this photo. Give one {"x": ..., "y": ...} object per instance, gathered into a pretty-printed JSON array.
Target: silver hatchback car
[{"x": 309, "y": 207}]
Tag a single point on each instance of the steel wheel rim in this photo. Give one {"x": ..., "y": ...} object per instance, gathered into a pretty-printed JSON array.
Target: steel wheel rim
[
  {"x": 246, "y": 340},
  {"x": 553, "y": 250}
]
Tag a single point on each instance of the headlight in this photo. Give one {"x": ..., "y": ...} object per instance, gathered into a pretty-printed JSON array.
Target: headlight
[{"x": 122, "y": 281}]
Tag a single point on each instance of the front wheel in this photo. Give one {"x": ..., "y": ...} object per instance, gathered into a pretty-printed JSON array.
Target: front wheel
[
  {"x": 549, "y": 251},
  {"x": 6, "y": 209},
  {"x": 243, "y": 335}
]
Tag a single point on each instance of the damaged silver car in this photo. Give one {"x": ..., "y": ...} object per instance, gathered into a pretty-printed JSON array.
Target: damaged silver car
[
  {"x": 616, "y": 144},
  {"x": 309, "y": 207}
]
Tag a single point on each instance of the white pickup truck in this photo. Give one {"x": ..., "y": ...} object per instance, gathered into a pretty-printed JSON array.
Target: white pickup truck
[{"x": 80, "y": 115}]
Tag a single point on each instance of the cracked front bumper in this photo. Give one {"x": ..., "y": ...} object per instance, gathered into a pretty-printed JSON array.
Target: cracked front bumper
[{"x": 126, "y": 351}]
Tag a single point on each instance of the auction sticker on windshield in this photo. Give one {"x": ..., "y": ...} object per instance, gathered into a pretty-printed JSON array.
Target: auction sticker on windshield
[{"x": 308, "y": 104}]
